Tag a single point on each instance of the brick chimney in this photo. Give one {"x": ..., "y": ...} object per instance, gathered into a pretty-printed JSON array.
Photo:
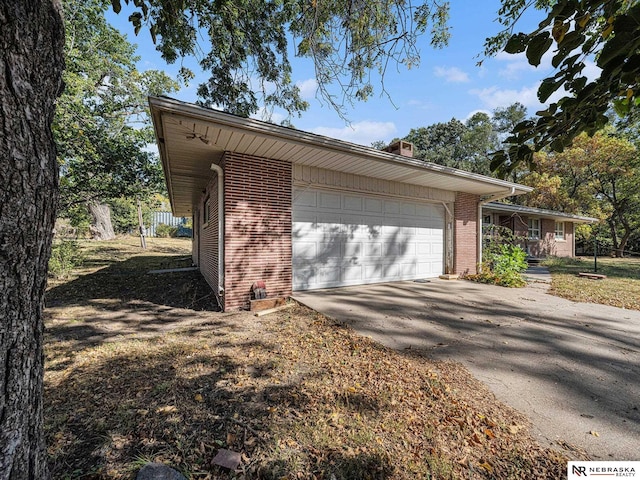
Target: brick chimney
[{"x": 400, "y": 148}]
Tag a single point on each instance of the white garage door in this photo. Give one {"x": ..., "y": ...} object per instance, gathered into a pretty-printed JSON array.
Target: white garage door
[{"x": 350, "y": 239}]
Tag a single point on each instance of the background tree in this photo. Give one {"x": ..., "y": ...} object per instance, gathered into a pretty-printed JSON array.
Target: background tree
[
  {"x": 101, "y": 126},
  {"x": 479, "y": 140},
  {"x": 597, "y": 176},
  {"x": 467, "y": 146},
  {"x": 439, "y": 143}
]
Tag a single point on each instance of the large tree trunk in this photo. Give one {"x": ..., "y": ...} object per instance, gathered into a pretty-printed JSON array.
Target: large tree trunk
[
  {"x": 31, "y": 62},
  {"x": 101, "y": 226}
]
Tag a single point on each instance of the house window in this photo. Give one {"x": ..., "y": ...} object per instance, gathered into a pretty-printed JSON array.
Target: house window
[
  {"x": 559, "y": 230},
  {"x": 534, "y": 228},
  {"x": 205, "y": 211},
  {"x": 486, "y": 220}
]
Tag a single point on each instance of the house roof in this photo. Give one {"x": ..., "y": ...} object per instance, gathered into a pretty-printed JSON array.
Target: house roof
[
  {"x": 190, "y": 138},
  {"x": 539, "y": 212}
]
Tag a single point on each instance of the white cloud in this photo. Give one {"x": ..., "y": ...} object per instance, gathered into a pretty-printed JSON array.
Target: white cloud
[
  {"x": 308, "y": 88},
  {"x": 362, "y": 133},
  {"x": 517, "y": 64},
  {"x": 451, "y": 74},
  {"x": 494, "y": 97}
]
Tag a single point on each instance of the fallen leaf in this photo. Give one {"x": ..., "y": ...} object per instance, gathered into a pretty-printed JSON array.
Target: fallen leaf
[
  {"x": 199, "y": 398},
  {"x": 167, "y": 409}
]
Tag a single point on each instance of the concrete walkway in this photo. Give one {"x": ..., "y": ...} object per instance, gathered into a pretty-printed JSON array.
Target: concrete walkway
[
  {"x": 572, "y": 368},
  {"x": 536, "y": 273}
]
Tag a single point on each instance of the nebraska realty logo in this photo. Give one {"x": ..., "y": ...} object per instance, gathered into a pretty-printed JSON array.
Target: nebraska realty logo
[{"x": 580, "y": 470}]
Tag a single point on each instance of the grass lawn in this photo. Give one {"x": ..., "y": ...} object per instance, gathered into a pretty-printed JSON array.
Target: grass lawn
[
  {"x": 142, "y": 368},
  {"x": 621, "y": 288}
]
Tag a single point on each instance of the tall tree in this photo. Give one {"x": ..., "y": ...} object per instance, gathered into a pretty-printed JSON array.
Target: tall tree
[
  {"x": 101, "y": 126},
  {"x": 479, "y": 140},
  {"x": 439, "y": 143},
  {"x": 31, "y": 46},
  {"x": 597, "y": 176},
  {"x": 248, "y": 44}
]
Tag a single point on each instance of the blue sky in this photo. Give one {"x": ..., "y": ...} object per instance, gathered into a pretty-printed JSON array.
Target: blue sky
[{"x": 446, "y": 84}]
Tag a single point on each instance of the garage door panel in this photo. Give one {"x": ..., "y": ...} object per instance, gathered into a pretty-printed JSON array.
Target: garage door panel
[
  {"x": 329, "y": 251},
  {"x": 352, "y": 273},
  {"x": 352, "y": 250},
  {"x": 352, "y": 203},
  {"x": 373, "y": 249},
  {"x": 409, "y": 209},
  {"x": 331, "y": 201},
  {"x": 391, "y": 207},
  {"x": 306, "y": 199},
  {"x": 340, "y": 238},
  {"x": 305, "y": 251},
  {"x": 373, "y": 205}
]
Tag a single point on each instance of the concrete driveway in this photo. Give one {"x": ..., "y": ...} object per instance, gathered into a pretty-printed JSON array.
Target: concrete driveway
[{"x": 573, "y": 368}]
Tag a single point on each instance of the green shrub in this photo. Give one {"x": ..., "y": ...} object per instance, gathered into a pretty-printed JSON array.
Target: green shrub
[
  {"x": 166, "y": 231},
  {"x": 65, "y": 256},
  {"x": 502, "y": 262}
]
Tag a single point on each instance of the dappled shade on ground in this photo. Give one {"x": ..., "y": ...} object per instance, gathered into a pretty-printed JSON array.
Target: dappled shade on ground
[{"x": 296, "y": 394}]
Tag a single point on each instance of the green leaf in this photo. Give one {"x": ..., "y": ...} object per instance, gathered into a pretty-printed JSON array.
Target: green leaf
[
  {"x": 538, "y": 46},
  {"x": 115, "y": 4},
  {"x": 498, "y": 159},
  {"x": 617, "y": 47},
  {"x": 517, "y": 43},
  {"x": 547, "y": 88}
]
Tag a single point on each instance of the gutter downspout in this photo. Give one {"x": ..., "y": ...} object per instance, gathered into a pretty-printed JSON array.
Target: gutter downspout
[
  {"x": 481, "y": 203},
  {"x": 220, "y": 173}
]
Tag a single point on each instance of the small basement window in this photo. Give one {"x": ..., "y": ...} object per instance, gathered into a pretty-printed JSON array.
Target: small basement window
[
  {"x": 559, "y": 231},
  {"x": 205, "y": 211},
  {"x": 534, "y": 228}
]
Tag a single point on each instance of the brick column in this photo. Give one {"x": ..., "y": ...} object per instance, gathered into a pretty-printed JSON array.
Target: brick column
[
  {"x": 465, "y": 242},
  {"x": 257, "y": 227}
]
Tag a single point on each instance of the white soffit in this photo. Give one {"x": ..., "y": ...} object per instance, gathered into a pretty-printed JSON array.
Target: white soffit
[{"x": 191, "y": 137}]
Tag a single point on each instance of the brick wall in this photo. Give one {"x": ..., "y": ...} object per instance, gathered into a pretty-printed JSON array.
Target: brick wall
[
  {"x": 465, "y": 242},
  {"x": 257, "y": 227},
  {"x": 548, "y": 245},
  {"x": 208, "y": 235}
]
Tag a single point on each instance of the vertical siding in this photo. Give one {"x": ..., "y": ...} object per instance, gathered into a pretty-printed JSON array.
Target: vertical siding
[
  {"x": 257, "y": 227},
  {"x": 165, "y": 218},
  {"x": 465, "y": 233},
  {"x": 304, "y": 175}
]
